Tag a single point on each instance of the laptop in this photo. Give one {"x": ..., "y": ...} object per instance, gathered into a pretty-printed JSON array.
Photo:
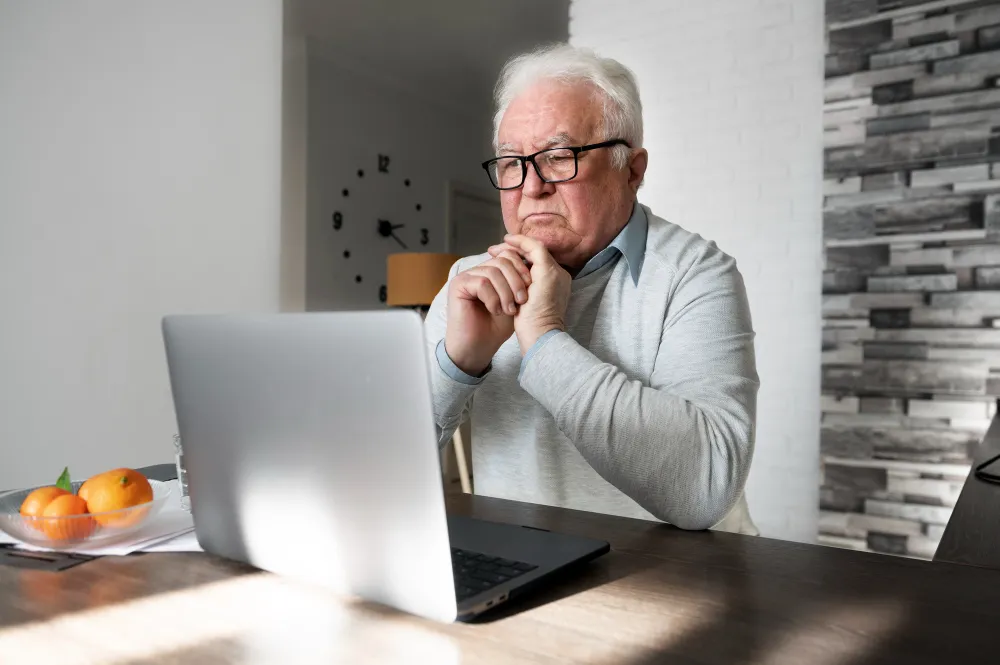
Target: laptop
[{"x": 311, "y": 452}]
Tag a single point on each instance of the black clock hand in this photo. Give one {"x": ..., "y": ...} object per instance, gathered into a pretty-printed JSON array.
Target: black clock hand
[{"x": 385, "y": 227}]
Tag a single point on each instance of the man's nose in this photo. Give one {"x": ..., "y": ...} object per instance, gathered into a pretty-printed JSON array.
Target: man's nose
[{"x": 533, "y": 183}]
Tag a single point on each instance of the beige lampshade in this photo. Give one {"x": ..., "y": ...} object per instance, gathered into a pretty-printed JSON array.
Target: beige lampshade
[{"x": 414, "y": 278}]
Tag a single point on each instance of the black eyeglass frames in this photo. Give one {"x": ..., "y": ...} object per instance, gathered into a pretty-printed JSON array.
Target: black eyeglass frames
[{"x": 551, "y": 165}]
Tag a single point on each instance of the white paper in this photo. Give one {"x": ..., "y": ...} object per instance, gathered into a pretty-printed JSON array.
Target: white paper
[
  {"x": 186, "y": 542},
  {"x": 171, "y": 521}
]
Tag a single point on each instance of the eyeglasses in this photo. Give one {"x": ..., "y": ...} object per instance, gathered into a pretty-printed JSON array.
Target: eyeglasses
[{"x": 551, "y": 165}]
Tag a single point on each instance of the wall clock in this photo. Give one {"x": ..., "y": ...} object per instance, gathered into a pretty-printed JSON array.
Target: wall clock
[{"x": 361, "y": 206}]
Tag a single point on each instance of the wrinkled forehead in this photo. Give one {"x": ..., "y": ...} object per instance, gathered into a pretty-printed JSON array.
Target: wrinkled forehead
[{"x": 550, "y": 113}]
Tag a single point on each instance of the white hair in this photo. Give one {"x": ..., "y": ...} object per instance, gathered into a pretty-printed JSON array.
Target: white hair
[{"x": 570, "y": 64}]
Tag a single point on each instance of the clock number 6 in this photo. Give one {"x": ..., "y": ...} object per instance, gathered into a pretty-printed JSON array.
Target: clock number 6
[
  {"x": 424, "y": 239},
  {"x": 338, "y": 221},
  {"x": 382, "y": 295}
]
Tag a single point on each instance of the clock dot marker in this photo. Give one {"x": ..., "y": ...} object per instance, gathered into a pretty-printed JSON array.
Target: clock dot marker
[
  {"x": 361, "y": 173},
  {"x": 347, "y": 253},
  {"x": 357, "y": 278},
  {"x": 418, "y": 207},
  {"x": 407, "y": 182},
  {"x": 345, "y": 192}
]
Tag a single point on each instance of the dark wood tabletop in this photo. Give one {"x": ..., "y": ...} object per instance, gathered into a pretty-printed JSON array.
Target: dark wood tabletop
[
  {"x": 972, "y": 536},
  {"x": 661, "y": 595}
]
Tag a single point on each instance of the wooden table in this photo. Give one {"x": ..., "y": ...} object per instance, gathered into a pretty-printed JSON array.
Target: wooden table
[
  {"x": 661, "y": 595},
  {"x": 973, "y": 533}
]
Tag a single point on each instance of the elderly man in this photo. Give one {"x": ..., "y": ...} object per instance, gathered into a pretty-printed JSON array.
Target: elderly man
[{"x": 605, "y": 355}]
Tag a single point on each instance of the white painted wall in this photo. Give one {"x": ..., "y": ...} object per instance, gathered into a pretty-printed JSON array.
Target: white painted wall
[
  {"x": 353, "y": 117},
  {"x": 139, "y": 175},
  {"x": 732, "y": 94}
]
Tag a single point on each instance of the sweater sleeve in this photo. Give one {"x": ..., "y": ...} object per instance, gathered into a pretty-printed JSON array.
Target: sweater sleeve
[
  {"x": 451, "y": 389},
  {"x": 681, "y": 446}
]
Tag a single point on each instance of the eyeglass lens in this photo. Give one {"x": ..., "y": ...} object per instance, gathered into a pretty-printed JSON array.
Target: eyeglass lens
[{"x": 553, "y": 166}]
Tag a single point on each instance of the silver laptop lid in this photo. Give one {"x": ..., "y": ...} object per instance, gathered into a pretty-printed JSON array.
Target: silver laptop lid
[{"x": 310, "y": 449}]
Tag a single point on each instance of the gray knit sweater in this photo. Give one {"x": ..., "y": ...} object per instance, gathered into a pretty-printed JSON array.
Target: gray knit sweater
[{"x": 644, "y": 407}]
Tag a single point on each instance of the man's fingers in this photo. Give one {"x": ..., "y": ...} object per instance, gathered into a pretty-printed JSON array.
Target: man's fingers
[
  {"x": 493, "y": 286},
  {"x": 479, "y": 287},
  {"x": 530, "y": 249},
  {"x": 497, "y": 250},
  {"x": 514, "y": 256},
  {"x": 508, "y": 264}
]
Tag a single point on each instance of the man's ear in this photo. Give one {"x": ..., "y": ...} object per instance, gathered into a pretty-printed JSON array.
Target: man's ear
[{"x": 637, "y": 169}]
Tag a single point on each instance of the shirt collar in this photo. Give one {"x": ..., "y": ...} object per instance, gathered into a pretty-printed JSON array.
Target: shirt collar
[{"x": 630, "y": 243}]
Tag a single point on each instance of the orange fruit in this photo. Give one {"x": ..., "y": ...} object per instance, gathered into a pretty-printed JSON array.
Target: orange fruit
[
  {"x": 84, "y": 490},
  {"x": 115, "y": 490},
  {"x": 65, "y": 518},
  {"x": 35, "y": 503}
]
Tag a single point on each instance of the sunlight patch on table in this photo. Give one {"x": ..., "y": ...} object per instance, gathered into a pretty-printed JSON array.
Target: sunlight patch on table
[
  {"x": 168, "y": 622},
  {"x": 263, "y": 618},
  {"x": 611, "y": 627},
  {"x": 849, "y": 634}
]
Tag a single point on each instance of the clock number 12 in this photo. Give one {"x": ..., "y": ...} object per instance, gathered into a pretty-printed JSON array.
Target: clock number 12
[{"x": 383, "y": 163}]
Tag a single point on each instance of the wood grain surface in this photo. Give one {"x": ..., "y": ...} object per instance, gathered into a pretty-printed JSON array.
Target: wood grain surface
[{"x": 661, "y": 595}]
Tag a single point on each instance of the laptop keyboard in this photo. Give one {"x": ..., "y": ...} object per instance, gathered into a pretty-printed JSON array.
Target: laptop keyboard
[{"x": 475, "y": 572}]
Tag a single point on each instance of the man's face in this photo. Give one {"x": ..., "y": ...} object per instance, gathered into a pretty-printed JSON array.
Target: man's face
[{"x": 577, "y": 218}]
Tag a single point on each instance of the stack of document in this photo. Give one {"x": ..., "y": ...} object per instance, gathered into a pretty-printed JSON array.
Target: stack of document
[
  {"x": 185, "y": 542},
  {"x": 170, "y": 524}
]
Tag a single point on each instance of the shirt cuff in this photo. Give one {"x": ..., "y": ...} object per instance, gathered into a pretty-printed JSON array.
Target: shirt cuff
[
  {"x": 449, "y": 367},
  {"x": 534, "y": 347}
]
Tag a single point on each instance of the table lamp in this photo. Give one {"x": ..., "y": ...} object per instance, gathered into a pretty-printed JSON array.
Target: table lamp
[{"x": 412, "y": 280}]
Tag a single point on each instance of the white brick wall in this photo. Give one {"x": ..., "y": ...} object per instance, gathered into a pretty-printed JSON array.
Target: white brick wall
[{"x": 732, "y": 95}]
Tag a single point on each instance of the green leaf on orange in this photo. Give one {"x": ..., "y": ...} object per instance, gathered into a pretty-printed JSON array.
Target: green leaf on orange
[{"x": 64, "y": 482}]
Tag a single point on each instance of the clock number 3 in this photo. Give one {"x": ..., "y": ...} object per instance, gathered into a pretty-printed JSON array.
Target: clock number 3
[
  {"x": 383, "y": 163},
  {"x": 424, "y": 239},
  {"x": 338, "y": 221}
]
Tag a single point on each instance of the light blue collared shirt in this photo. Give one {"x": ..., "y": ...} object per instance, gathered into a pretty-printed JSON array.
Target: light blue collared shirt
[{"x": 630, "y": 243}]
